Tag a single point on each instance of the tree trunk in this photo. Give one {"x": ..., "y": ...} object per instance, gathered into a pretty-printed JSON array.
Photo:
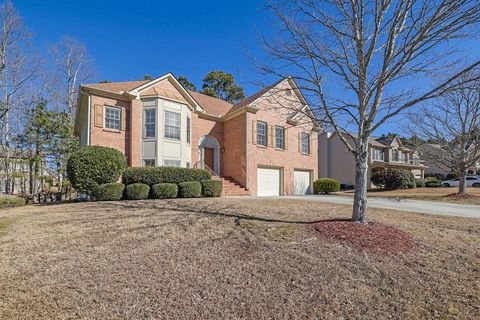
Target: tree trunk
[
  {"x": 462, "y": 183},
  {"x": 361, "y": 171}
]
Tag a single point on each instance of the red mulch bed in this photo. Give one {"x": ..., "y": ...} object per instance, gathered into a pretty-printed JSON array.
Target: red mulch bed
[
  {"x": 372, "y": 236},
  {"x": 461, "y": 196}
]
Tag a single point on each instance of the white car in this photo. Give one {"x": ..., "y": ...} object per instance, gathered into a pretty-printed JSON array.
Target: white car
[{"x": 472, "y": 181}]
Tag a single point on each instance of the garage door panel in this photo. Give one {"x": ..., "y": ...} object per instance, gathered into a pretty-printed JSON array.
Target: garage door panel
[
  {"x": 301, "y": 182},
  {"x": 268, "y": 182}
]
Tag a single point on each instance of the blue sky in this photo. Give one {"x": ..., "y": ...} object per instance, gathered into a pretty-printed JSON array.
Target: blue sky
[{"x": 128, "y": 39}]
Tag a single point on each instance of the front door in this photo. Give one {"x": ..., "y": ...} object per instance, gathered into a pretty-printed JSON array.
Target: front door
[{"x": 208, "y": 158}]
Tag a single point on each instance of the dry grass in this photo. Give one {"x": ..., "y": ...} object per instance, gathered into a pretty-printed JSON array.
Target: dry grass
[
  {"x": 228, "y": 259},
  {"x": 431, "y": 194}
]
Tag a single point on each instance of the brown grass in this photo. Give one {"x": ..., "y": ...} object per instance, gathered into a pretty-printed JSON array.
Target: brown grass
[
  {"x": 430, "y": 194},
  {"x": 229, "y": 259}
]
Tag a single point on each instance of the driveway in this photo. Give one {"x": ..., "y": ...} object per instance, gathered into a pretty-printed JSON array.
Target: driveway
[{"x": 427, "y": 207}]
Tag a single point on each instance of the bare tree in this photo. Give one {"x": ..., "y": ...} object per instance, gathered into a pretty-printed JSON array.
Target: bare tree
[
  {"x": 73, "y": 66},
  {"x": 363, "y": 62},
  {"x": 17, "y": 67},
  {"x": 452, "y": 123}
]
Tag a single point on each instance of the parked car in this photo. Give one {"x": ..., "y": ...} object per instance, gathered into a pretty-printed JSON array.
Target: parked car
[{"x": 472, "y": 181}]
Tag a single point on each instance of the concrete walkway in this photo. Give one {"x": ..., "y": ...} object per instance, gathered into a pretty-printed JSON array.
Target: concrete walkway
[{"x": 428, "y": 207}]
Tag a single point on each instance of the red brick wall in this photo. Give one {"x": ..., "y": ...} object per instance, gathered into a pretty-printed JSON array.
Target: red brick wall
[
  {"x": 202, "y": 127},
  {"x": 119, "y": 140},
  {"x": 234, "y": 164}
]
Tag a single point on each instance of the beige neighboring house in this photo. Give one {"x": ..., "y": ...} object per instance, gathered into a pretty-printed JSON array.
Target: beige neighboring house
[{"x": 335, "y": 161}]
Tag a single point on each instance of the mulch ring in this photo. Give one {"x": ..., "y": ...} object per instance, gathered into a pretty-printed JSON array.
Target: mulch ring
[
  {"x": 370, "y": 237},
  {"x": 461, "y": 196}
]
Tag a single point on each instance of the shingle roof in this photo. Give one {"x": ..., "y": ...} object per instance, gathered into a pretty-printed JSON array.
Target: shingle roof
[
  {"x": 212, "y": 105},
  {"x": 117, "y": 86}
]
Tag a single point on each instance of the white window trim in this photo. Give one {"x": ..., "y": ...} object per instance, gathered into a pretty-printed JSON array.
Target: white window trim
[
  {"x": 165, "y": 124},
  {"x": 266, "y": 133},
  {"x": 144, "y": 133},
  {"x": 188, "y": 130},
  {"x": 301, "y": 143},
  {"x": 105, "y": 107},
  {"x": 149, "y": 159},
  {"x": 283, "y": 138}
]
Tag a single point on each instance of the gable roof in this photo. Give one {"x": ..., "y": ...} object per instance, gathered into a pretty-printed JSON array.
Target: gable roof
[
  {"x": 211, "y": 105},
  {"x": 117, "y": 87}
]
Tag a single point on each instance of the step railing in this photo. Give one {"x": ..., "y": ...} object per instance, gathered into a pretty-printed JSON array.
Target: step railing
[{"x": 204, "y": 166}]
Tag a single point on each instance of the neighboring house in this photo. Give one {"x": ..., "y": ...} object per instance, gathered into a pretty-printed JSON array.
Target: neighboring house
[
  {"x": 263, "y": 145},
  {"x": 335, "y": 161},
  {"x": 436, "y": 159}
]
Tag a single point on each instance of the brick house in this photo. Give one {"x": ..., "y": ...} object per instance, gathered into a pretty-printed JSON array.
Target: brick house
[{"x": 264, "y": 145}]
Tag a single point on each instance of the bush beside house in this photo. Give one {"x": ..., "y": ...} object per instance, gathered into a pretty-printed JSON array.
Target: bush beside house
[
  {"x": 164, "y": 191},
  {"x": 211, "y": 188},
  {"x": 190, "y": 189},
  {"x": 156, "y": 175},
  {"x": 110, "y": 191},
  {"x": 137, "y": 191},
  {"x": 326, "y": 185},
  {"x": 92, "y": 166},
  {"x": 393, "y": 179}
]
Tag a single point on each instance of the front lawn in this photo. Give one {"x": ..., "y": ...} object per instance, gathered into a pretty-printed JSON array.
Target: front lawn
[
  {"x": 430, "y": 194},
  {"x": 230, "y": 259}
]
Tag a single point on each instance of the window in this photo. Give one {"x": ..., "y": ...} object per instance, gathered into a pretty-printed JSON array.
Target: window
[
  {"x": 172, "y": 125},
  {"x": 149, "y": 123},
  {"x": 112, "y": 118},
  {"x": 280, "y": 137},
  {"x": 304, "y": 143},
  {"x": 188, "y": 130},
  {"x": 378, "y": 155},
  {"x": 171, "y": 163},
  {"x": 188, "y": 164},
  {"x": 262, "y": 133},
  {"x": 149, "y": 162},
  {"x": 394, "y": 155},
  {"x": 416, "y": 161},
  {"x": 404, "y": 157}
]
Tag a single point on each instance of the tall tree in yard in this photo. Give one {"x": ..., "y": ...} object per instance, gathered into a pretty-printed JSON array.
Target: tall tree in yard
[
  {"x": 186, "y": 83},
  {"x": 453, "y": 122},
  {"x": 222, "y": 85},
  {"x": 362, "y": 63},
  {"x": 73, "y": 66}
]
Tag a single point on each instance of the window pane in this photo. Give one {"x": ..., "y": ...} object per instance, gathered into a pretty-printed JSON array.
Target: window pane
[
  {"x": 150, "y": 121},
  {"x": 149, "y": 162},
  {"x": 171, "y": 163},
  {"x": 280, "y": 137},
  {"x": 188, "y": 129},
  {"x": 172, "y": 125},
  {"x": 112, "y": 118},
  {"x": 305, "y": 143},
  {"x": 261, "y": 133}
]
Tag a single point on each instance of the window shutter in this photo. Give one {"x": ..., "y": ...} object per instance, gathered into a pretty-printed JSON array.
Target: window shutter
[
  {"x": 286, "y": 139},
  {"x": 274, "y": 137},
  {"x": 124, "y": 119},
  {"x": 254, "y": 132},
  {"x": 98, "y": 115},
  {"x": 309, "y": 144},
  {"x": 270, "y": 136}
]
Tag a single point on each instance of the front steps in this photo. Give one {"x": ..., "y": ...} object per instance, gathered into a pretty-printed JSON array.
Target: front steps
[{"x": 232, "y": 188}]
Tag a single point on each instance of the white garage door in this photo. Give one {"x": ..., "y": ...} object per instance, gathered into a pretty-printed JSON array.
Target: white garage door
[
  {"x": 301, "y": 182},
  {"x": 268, "y": 182}
]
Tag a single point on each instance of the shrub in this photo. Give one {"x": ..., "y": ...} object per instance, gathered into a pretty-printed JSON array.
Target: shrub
[
  {"x": 155, "y": 175},
  {"x": 11, "y": 201},
  {"x": 211, "y": 188},
  {"x": 164, "y": 191},
  {"x": 431, "y": 179},
  {"x": 92, "y": 166},
  {"x": 190, "y": 189},
  {"x": 452, "y": 175},
  {"x": 110, "y": 191},
  {"x": 137, "y": 191},
  {"x": 433, "y": 184},
  {"x": 420, "y": 183},
  {"x": 438, "y": 176},
  {"x": 393, "y": 178},
  {"x": 411, "y": 184},
  {"x": 326, "y": 185}
]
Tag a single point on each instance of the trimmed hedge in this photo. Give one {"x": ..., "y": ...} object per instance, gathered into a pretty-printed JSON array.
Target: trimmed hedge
[
  {"x": 110, "y": 191},
  {"x": 326, "y": 185},
  {"x": 190, "y": 189},
  {"x": 92, "y": 166},
  {"x": 156, "y": 175},
  {"x": 137, "y": 191},
  {"x": 211, "y": 188},
  {"x": 420, "y": 183},
  {"x": 11, "y": 201},
  {"x": 164, "y": 191},
  {"x": 433, "y": 184}
]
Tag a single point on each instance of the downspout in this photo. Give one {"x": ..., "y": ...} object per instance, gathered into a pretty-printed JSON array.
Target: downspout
[
  {"x": 247, "y": 184},
  {"x": 89, "y": 99}
]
